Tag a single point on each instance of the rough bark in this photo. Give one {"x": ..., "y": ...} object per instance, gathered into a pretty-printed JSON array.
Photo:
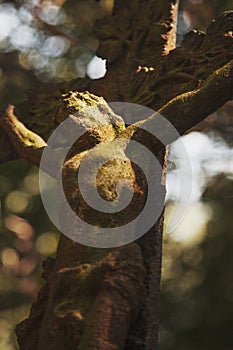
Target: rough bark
[{"x": 113, "y": 297}]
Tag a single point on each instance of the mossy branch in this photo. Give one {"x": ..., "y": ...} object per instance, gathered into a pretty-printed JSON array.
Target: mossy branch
[
  {"x": 186, "y": 67},
  {"x": 183, "y": 112},
  {"x": 188, "y": 109},
  {"x": 26, "y": 143}
]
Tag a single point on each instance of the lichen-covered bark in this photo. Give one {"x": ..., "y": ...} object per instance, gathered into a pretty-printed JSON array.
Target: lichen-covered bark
[
  {"x": 109, "y": 299},
  {"x": 144, "y": 37},
  {"x": 105, "y": 286},
  {"x": 186, "y": 68},
  {"x": 102, "y": 300},
  {"x": 139, "y": 33},
  {"x": 188, "y": 109}
]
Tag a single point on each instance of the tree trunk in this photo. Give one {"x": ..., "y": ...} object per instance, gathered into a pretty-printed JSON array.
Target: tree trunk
[{"x": 140, "y": 329}]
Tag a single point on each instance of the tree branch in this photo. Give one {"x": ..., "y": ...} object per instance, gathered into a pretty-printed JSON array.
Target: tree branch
[
  {"x": 26, "y": 143},
  {"x": 139, "y": 33},
  {"x": 188, "y": 109},
  {"x": 183, "y": 112},
  {"x": 185, "y": 68}
]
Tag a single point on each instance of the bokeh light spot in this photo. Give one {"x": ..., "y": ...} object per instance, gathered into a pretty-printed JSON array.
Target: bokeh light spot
[
  {"x": 184, "y": 23},
  {"x": 55, "y": 46},
  {"x": 51, "y": 14},
  {"x": 37, "y": 60},
  {"x": 191, "y": 230},
  {"x": 96, "y": 68},
  {"x": 31, "y": 183},
  {"x": 27, "y": 265},
  {"x": 20, "y": 226},
  {"x": 10, "y": 258},
  {"x": 46, "y": 244},
  {"x": 25, "y": 15},
  {"x": 17, "y": 201},
  {"x": 8, "y": 19},
  {"x": 24, "y": 37}
]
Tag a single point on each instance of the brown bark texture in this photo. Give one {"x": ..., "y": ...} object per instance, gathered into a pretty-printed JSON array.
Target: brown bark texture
[{"x": 101, "y": 299}]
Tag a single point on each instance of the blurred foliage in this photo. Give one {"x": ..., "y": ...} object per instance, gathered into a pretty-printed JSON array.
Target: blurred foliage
[
  {"x": 197, "y": 14},
  {"x": 197, "y": 289},
  {"x": 47, "y": 41},
  {"x": 197, "y": 279},
  {"x": 8, "y": 320},
  {"x": 53, "y": 41},
  {"x": 26, "y": 238}
]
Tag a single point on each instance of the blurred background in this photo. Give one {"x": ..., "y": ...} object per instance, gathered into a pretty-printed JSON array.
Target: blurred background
[{"x": 53, "y": 42}]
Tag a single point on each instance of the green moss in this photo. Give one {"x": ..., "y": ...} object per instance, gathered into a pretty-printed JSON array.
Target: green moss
[{"x": 118, "y": 128}]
